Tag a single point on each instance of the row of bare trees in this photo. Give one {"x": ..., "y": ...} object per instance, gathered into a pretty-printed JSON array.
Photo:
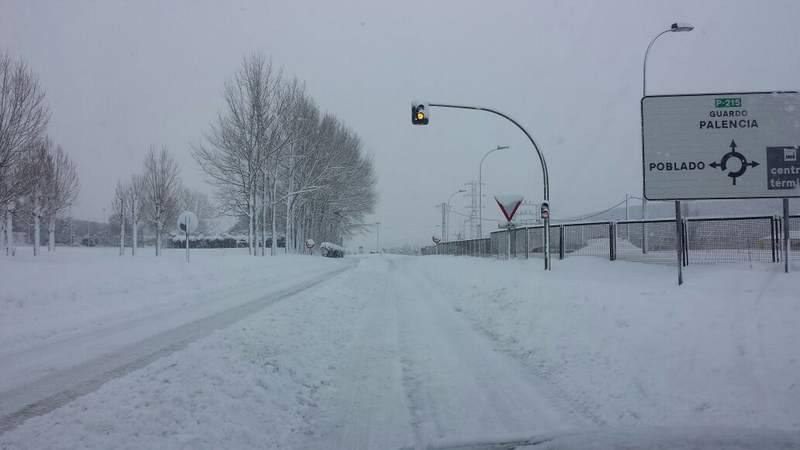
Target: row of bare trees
[
  {"x": 286, "y": 167},
  {"x": 37, "y": 178},
  {"x": 153, "y": 198}
]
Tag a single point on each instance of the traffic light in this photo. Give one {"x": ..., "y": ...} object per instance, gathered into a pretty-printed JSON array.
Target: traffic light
[{"x": 419, "y": 114}]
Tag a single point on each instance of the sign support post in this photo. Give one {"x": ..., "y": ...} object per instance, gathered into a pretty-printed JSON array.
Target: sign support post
[
  {"x": 786, "y": 235},
  {"x": 187, "y": 222},
  {"x": 509, "y": 204},
  {"x": 679, "y": 240},
  {"x": 187, "y": 244}
]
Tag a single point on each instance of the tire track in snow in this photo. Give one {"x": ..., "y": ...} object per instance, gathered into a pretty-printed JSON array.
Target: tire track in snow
[{"x": 577, "y": 404}]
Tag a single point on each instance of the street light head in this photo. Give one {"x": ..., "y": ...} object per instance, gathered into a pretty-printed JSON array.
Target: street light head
[
  {"x": 681, "y": 26},
  {"x": 502, "y": 147}
]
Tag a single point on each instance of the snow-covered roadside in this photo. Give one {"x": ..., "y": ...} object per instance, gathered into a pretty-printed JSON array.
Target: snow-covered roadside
[
  {"x": 248, "y": 386},
  {"x": 77, "y": 289},
  {"x": 61, "y": 310},
  {"x": 625, "y": 343}
]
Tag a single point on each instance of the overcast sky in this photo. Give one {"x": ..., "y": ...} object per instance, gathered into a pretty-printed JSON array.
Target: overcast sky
[{"x": 121, "y": 76}]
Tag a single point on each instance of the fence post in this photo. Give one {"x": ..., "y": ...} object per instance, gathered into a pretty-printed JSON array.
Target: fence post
[
  {"x": 612, "y": 241},
  {"x": 787, "y": 236},
  {"x": 561, "y": 242},
  {"x": 685, "y": 226},
  {"x": 772, "y": 238},
  {"x": 780, "y": 239}
]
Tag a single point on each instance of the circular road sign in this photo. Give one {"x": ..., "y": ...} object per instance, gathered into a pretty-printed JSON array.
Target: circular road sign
[{"x": 187, "y": 219}]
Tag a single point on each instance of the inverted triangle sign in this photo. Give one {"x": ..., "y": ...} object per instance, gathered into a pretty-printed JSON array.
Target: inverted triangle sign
[{"x": 508, "y": 203}]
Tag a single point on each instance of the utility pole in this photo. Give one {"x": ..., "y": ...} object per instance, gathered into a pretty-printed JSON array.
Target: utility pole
[
  {"x": 444, "y": 221},
  {"x": 480, "y": 187},
  {"x": 474, "y": 211}
]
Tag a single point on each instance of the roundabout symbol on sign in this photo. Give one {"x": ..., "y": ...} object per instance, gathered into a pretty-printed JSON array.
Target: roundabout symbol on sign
[{"x": 744, "y": 163}]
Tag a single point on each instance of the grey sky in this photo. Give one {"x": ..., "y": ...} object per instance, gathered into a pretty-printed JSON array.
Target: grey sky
[{"x": 123, "y": 75}]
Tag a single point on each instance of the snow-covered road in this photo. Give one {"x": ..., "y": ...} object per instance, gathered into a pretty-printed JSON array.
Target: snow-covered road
[
  {"x": 406, "y": 352},
  {"x": 416, "y": 372}
]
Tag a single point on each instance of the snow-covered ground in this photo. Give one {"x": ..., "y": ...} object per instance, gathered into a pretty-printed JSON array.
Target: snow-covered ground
[
  {"x": 80, "y": 313},
  {"x": 406, "y": 351}
]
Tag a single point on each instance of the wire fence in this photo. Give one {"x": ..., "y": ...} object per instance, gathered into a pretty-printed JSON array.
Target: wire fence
[{"x": 706, "y": 240}]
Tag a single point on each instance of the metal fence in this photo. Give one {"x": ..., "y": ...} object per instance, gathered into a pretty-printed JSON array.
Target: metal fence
[{"x": 706, "y": 240}]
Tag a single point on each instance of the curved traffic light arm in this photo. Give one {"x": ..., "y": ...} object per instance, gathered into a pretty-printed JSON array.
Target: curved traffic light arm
[{"x": 530, "y": 138}]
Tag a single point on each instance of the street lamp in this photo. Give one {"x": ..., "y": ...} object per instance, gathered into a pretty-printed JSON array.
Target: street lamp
[
  {"x": 446, "y": 222},
  {"x": 480, "y": 188},
  {"x": 674, "y": 28}
]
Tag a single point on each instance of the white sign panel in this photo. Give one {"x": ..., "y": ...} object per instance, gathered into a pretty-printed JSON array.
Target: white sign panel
[{"x": 715, "y": 146}]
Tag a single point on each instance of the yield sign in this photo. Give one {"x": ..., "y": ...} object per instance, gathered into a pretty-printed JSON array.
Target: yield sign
[{"x": 508, "y": 203}]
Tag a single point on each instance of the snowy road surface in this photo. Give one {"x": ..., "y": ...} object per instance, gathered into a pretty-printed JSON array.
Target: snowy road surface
[
  {"x": 416, "y": 372},
  {"x": 403, "y": 352}
]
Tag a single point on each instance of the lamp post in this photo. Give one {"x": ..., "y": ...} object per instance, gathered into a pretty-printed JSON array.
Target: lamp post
[
  {"x": 674, "y": 28},
  {"x": 446, "y": 221},
  {"x": 480, "y": 188}
]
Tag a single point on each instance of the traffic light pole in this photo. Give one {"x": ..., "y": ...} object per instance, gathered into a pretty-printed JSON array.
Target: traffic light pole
[{"x": 545, "y": 177}]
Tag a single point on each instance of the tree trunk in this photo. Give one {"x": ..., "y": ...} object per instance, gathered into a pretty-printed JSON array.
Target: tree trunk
[
  {"x": 3, "y": 234},
  {"x": 158, "y": 238},
  {"x": 250, "y": 213},
  {"x": 51, "y": 240},
  {"x": 10, "y": 251},
  {"x": 122, "y": 231},
  {"x": 264, "y": 218},
  {"x": 274, "y": 243},
  {"x": 36, "y": 227},
  {"x": 135, "y": 232},
  {"x": 288, "y": 231}
]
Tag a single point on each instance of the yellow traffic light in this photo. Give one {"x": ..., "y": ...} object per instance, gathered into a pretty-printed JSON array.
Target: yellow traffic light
[{"x": 419, "y": 115}]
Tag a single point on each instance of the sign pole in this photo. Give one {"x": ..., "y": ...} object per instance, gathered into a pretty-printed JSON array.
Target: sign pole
[
  {"x": 786, "y": 235},
  {"x": 187, "y": 243},
  {"x": 679, "y": 241},
  {"x": 509, "y": 241}
]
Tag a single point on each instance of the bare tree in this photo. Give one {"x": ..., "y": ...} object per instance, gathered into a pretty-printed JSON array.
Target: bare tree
[
  {"x": 134, "y": 197},
  {"x": 40, "y": 166},
  {"x": 161, "y": 191},
  {"x": 118, "y": 210},
  {"x": 272, "y": 152},
  {"x": 23, "y": 119},
  {"x": 20, "y": 178},
  {"x": 61, "y": 191},
  {"x": 243, "y": 139}
]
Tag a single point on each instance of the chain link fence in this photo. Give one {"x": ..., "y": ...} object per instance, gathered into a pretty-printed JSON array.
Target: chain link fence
[{"x": 707, "y": 240}]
